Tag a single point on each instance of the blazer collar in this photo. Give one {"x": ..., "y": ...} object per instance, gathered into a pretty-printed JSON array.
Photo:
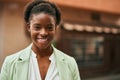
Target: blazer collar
[
  {"x": 62, "y": 63},
  {"x": 25, "y": 55},
  {"x": 58, "y": 54}
]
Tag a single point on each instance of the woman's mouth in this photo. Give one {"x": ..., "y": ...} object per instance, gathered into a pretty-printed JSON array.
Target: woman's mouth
[{"x": 42, "y": 40}]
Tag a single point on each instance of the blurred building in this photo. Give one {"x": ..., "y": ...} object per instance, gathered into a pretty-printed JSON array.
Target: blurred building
[
  {"x": 90, "y": 32},
  {"x": 12, "y": 28}
]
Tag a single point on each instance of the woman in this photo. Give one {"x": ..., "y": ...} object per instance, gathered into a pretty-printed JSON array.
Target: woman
[{"x": 40, "y": 60}]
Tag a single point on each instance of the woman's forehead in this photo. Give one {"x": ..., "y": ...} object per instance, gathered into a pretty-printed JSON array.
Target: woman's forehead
[{"x": 43, "y": 18}]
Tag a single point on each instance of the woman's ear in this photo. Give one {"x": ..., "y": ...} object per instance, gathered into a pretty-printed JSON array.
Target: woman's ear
[{"x": 28, "y": 27}]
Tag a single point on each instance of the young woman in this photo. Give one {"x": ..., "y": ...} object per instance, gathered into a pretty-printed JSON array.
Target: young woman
[{"x": 40, "y": 60}]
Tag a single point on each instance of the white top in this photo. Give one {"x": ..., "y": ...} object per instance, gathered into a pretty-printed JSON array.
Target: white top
[{"x": 34, "y": 73}]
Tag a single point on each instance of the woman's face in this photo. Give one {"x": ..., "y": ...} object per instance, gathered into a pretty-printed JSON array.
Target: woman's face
[{"x": 42, "y": 29}]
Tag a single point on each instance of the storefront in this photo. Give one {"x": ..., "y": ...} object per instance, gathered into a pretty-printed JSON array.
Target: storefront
[{"x": 93, "y": 39}]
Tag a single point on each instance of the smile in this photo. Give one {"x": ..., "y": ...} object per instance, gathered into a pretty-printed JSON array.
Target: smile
[{"x": 42, "y": 40}]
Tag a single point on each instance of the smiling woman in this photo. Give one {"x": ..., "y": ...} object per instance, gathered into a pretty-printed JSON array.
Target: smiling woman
[{"x": 41, "y": 60}]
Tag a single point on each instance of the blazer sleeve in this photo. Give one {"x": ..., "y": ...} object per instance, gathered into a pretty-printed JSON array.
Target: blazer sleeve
[
  {"x": 4, "y": 70},
  {"x": 76, "y": 74}
]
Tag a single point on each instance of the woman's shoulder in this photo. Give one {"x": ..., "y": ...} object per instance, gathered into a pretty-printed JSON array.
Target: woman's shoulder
[
  {"x": 16, "y": 56},
  {"x": 64, "y": 56},
  {"x": 67, "y": 59},
  {"x": 13, "y": 57}
]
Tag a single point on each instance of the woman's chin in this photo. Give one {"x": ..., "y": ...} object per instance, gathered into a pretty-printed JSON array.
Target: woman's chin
[{"x": 43, "y": 45}]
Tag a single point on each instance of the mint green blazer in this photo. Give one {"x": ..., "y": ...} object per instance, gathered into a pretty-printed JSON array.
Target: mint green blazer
[{"x": 15, "y": 67}]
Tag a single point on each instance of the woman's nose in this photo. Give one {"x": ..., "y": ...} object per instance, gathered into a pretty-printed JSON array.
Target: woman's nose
[{"x": 43, "y": 32}]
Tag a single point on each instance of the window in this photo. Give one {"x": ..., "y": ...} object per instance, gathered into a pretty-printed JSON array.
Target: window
[{"x": 88, "y": 51}]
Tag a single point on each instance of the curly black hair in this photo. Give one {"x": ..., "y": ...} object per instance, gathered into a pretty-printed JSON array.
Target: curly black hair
[{"x": 37, "y": 6}]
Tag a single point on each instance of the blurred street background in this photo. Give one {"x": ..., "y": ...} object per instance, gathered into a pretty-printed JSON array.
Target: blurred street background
[{"x": 89, "y": 31}]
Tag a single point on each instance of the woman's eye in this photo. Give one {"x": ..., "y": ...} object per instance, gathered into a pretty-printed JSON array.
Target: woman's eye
[
  {"x": 50, "y": 28},
  {"x": 36, "y": 27}
]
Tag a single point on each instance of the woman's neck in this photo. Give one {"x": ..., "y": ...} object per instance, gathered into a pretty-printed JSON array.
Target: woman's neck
[{"x": 42, "y": 52}]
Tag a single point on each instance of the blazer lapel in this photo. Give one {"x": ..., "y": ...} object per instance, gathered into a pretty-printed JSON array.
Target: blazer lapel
[
  {"x": 22, "y": 70},
  {"x": 22, "y": 65},
  {"x": 63, "y": 70},
  {"x": 62, "y": 66}
]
